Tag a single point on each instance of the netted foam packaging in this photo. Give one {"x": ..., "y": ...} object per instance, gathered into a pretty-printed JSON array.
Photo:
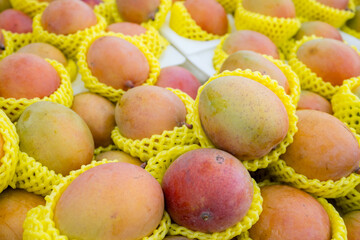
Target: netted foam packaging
[
  {"x": 308, "y": 79},
  {"x": 326, "y": 189},
  {"x": 33, "y": 176},
  {"x": 68, "y": 44},
  {"x": 10, "y": 147},
  {"x": 29, "y": 7},
  {"x": 39, "y": 223},
  {"x": 228, "y": 5},
  {"x": 182, "y": 23},
  {"x": 146, "y": 148},
  {"x": 350, "y": 31},
  {"x": 157, "y": 167},
  {"x": 350, "y": 202},
  {"x": 312, "y": 10},
  {"x": 338, "y": 228},
  {"x": 93, "y": 84},
  {"x": 277, "y": 29},
  {"x": 293, "y": 80},
  {"x": 160, "y": 15},
  {"x": 105, "y": 10},
  {"x": 273, "y": 156},
  {"x": 17, "y": 41},
  {"x": 63, "y": 95},
  {"x": 346, "y": 105},
  {"x": 8, "y": 43}
]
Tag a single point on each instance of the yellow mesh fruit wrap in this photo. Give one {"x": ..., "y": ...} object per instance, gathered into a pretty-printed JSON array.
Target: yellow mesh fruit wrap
[
  {"x": 277, "y": 29},
  {"x": 326, "y": 189},
  {"x": 39, "y": 223},
  {"x": 157, "y": 167},
  {"x": 68, "y": 44},
  {"x": 287, "y": 47},
  {"x": 294, "y": 84},
  {"x": 29, "y": 7},
  {"x": 182, "y": 23},
  {"x": 93, "y": 84},
  {"x": 99, "y": 150},
  {"x": 11, "y": 150},
  {"x": 20, "y": 40},
  {"x": 146, "y": 148},
  {"x": 346, "y": 105},
  {"x": 228, "y": 5},
  {"x": 273, "y": 156},
  {"x": 312, "y": 10},
  {"x": 9, "y": 44},
  {"x": 308, "y": 79},
  {"x": 350, "y": 202},
  {"x": 159, "y": 19},
  {"x": 350, "y": 31},
  {"x": 338, "y": 228},
  {"x": 105, "y": 10},
  {"x": 356, "y": 2},
  {"x": 34, "y": 177},
  {"x": 63, "y": 95}
]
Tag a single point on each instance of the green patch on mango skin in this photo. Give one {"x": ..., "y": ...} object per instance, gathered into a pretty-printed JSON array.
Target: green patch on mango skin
[{"x": 216, "y": 102}]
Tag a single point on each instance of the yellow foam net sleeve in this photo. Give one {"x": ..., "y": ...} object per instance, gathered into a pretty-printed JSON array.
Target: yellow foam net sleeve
[
  {"x": 356, "y": 2},
  {"x": 277, "y": 29},
  {"x": 350, "y": 202},
  {"x": 308, "y": 79},
  {"x": 159, "y": 19},
  {"x": 228, "y": 5},
  {"x": 182, "y": 23},
  {"x": 338, "y": 228},
  {"x": 273, "y": 156},
  {"x": 68, "y": 44},
  {"x": 63, "y": 95},
  {"x": 17, "y": 41},
  {"x": 33, "y": 176},
  {"x": 350, "y": 31},
  {"x": 326, "y": 189},
  {"x": 39, "y": 223},
  {"x": 10, "y": 147},
  {"x": 93, "y": 84},
  {"x": 157, "y": 167},
  {"x": 29, "y": 7},
  {"x": 293, "y": 80},
  {"x": 99, "y": 150},
  {"x": 146, "y": 148},
  {"x": 346, "y": 105},
  {"x": 105, "y": 10},
  {"x": 312, "y": 10}
]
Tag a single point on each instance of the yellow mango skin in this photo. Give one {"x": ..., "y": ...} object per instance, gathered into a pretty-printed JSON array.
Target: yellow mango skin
[
  {"x": 45, "y": 50},
  {"x": 318, "y": 28},
  {"x": 273, "y": 8},
  {"x": 242, "y": 117},
  {"x": 110, "y": 202},
  {"x": 119, "y": 156},
  {"x": 137, "y": 11},
  {"x": 55, "y": 136},
  {"x": 352, "y": 222}
]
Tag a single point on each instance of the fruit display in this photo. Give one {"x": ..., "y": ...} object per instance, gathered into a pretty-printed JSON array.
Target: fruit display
[{"x": 179, "y": 120}]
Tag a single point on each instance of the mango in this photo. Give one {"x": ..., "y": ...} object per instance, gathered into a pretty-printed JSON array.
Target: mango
[
  {"x": 126, "y": 28},
  {"x": 44, "y": 50},
  {"x": 255, "y": 62},
  {"x": 242, "y": 116},
  {"x": 332, "y": 60},
  {"x": 290, "y": 214},
  {"x": 125, "y": 199},
  {"x": 207, "y": 190},
  {"x": 55, "y": 136},
  {"x": 310, "y": 100},
  {"x": 319, "y": 29},
  {"x": 324, "y": 148},
  {"x": 117, "y": 63},
  {"x": 24, "y": 75},
  {"x": 338, "y": 4},
  {"x": 147, "y": 110},
  {"x": 203, "y": 12},
  {"x": 352, "y": 222},
  {"x": 15, "y": 21},
  {"x": 273, "y": 8},
  {"x": 119, "y": 156},
  {"x": 138, "y": 11}
]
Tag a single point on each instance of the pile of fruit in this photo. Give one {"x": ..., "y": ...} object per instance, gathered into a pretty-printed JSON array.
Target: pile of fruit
[{"x": 267, "y": 148}]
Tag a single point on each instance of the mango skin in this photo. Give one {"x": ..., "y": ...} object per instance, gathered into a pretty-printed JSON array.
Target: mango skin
[
  {"x": 127, "y": 28},
  {"x": 273, "y": 8},
  {"x": 324, "y": 148},
  {"x": 332, "y": 60},
  {"x": 310, "y": 100},
  {"x": 44, "y": 50},
  {"x": 15, "y": 21},
  {"x": 290, "y": 214},
  {"x": 255, "y": 62},
  {"x": 202, "y": 11},
  {"x": 352, "y": 222},
  {"x": 207, "y": 190},
  {"x": 252, "y": 41},
  {"x": 242, "y": 117},
  {"x": 318, "y": 28},
  {"x": 137, "y": 11},
  {"x": 55, "y": 136},
  {"x": 125, "y": 199},
  {"x": 14, "y": 205},
  {"x": 339, "y": 4},
  {"x": 119, "y": 156}
]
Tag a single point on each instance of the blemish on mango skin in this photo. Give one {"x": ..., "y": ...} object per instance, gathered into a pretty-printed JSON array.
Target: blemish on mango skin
[{"x": 216, "y": 102}]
